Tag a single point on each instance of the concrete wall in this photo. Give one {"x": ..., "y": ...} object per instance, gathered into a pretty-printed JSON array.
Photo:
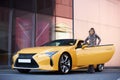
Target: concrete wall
[{"x": 104, "y": 16}]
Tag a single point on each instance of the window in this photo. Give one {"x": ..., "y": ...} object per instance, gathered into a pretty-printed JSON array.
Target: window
[
  {"x": 44, "y": 29},
  {"x": 80, "y": 43},
  {"x": 22, "y": 30}
]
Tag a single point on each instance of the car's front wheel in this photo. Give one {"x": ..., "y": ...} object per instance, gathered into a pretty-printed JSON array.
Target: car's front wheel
[
  {"x": 23, "y": 70},
  {"x": 65, "y": 63}
]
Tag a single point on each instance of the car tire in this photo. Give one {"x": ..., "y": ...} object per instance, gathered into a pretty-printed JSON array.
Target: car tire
[
  {"x": 23, "y": 70},
  {"x": 65, "y": 63},
  {"x": 91, "y": 69},
  {"x": 99, "y": 68}
]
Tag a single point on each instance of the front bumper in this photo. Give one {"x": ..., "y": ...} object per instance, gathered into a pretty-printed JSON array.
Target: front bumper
[
  {"x": 24, "y": 68},
  {"x": 38, "y": 61}
]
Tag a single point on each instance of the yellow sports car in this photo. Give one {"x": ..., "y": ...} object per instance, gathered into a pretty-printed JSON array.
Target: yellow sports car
[{"x": 63, "y": 55}]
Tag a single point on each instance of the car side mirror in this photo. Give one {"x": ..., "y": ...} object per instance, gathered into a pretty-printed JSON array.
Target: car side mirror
[{"x": 84, "y": 46}]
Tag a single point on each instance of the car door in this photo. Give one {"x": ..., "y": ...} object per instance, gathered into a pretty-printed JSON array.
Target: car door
[{"x": 88, "y": 55}]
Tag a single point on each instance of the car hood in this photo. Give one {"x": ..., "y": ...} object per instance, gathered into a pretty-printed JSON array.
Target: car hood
[{"x": 44, "y": 49}]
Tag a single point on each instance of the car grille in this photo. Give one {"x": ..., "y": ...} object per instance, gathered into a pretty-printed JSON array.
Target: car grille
[
  {"x": 33, "y": 64},
  {"x": 26, "y": 56}
]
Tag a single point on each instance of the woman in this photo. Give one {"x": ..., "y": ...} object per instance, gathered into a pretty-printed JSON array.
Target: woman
[{"x": 92, "y": 38}]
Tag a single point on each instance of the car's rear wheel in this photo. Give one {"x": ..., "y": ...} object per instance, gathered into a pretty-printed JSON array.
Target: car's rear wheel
[
  {"x": 65, "y": 63},
  {"x": 91, "y": 69},
  {"x": 23, "y": 70},
  {"x": 100, "y": 68}
]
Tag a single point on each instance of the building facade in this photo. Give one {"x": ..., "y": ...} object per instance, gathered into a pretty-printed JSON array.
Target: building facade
[
  {"x": 104, "y": 16},
  {"x": 31, "y": 23}
]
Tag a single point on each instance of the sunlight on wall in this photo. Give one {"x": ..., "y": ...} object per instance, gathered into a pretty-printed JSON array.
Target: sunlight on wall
[{"x": 104, "y": 16}]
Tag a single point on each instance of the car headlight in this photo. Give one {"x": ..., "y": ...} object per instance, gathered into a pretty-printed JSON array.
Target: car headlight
[{"x": 50, "y": 54}]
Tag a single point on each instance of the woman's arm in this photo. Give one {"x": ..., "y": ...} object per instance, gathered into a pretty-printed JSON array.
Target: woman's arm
[{"x": 99, "y": 39}]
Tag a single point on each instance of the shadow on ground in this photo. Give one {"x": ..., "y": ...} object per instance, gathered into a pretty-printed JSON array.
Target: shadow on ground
[
  {"x": 42, "y": 72},
  {"x": 57, "y": 73}
]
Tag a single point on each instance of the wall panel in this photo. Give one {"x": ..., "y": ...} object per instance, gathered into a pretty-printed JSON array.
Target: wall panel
[{"x": 104, "y": 16}]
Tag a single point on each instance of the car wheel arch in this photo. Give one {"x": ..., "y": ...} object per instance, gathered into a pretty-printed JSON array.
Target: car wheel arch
[
  {"x": 70, "y": 57},
  {"x": 73, "y": 58},
  {"x": 68, "y": 54}
]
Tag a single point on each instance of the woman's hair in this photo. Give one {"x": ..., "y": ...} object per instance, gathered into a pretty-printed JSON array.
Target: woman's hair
[{"x": 92, "y": 29}]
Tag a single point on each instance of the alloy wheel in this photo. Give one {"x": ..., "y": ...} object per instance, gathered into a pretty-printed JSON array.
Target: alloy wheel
[{"x": 65, "y": 63}]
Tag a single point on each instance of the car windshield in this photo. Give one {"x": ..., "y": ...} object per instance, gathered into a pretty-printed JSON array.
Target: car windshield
[{"x": 65, "y": 42}]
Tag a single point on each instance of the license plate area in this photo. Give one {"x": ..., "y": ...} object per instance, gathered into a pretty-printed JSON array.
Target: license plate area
[{"x": 24, "y": 60}]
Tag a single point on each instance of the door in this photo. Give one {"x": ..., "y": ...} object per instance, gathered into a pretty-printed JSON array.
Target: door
[
  {"x": 89, "y": 55},
  {"x": 84, "y": 56}
]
